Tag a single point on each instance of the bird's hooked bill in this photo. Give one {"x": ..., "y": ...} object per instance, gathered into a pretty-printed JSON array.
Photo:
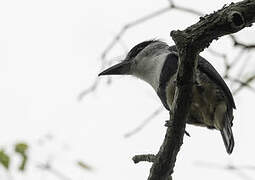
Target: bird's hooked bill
[{"x": 118, "y": 69}]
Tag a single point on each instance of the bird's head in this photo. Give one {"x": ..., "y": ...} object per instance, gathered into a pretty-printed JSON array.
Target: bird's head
[{"x": 144, "y": 61}]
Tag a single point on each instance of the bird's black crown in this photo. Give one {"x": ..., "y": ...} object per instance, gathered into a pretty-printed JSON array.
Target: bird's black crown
[{"x": 138, "y": 48}]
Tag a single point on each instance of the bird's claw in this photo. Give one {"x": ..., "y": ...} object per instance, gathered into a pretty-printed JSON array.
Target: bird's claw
[{"x": 168, "y": 123}]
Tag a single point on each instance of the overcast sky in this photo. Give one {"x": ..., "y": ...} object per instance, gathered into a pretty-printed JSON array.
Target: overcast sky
[{"x": 50, "y": 52}]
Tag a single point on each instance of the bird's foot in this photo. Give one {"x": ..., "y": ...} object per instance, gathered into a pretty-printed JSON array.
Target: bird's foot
[{"x": 168, "y": 123}]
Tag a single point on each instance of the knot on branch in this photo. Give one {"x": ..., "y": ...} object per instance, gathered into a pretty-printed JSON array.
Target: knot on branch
[{"x": 236, "y": 19}]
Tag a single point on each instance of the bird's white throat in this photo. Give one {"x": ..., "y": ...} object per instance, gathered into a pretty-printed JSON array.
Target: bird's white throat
[{"x": 149, "y": 68}]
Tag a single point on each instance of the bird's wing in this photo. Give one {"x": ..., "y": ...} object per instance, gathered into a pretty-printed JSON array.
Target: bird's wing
[{"x": 208, "y": 69}]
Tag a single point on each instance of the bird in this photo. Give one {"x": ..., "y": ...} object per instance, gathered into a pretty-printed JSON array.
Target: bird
[{"x": 156, "y": 63}]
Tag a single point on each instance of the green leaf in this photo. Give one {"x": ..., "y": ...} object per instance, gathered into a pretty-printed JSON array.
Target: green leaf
[
  {"x": 4, "y": 159},
  {"x": 23, "y": 163},
  {"x": 21, "y": 148}
]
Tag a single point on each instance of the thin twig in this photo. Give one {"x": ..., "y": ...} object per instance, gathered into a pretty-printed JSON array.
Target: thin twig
[
  {"x": 245, "y": 83},
  {"x": 188, "y": 10},
  {"x": 231, "y": 65},
  {"x": 144, "y": 123},
  {"x": 240, "y": 44},
  {"x": 50, "y": 169},
  {"x": 229, "y": 167},
  {"x": 243, "y": 66},
  {"x": 88, "y": 90}
]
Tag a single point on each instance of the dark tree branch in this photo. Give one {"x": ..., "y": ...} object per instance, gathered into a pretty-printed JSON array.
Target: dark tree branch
[{"x": 190, "y": 42}]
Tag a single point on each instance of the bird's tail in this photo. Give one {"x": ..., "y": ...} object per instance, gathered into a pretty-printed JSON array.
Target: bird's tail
[{"x": 227, "y": 135}]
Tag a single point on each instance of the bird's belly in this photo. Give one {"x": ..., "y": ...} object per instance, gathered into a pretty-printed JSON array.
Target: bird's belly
[
  {"x": 206, "y": 102},
  {"x": 202, "y": 106}
]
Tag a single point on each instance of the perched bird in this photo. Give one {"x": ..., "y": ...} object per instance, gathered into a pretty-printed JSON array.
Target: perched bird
[{"x": 156, "y": 63}]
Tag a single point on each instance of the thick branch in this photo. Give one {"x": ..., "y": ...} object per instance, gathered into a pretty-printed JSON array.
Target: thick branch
[
  {"x": 228, "y": 20},
  {"x": 190, "y": 42}
]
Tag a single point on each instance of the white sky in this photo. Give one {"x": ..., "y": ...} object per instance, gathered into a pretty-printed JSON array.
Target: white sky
[{"x": 49, "y": 53}]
